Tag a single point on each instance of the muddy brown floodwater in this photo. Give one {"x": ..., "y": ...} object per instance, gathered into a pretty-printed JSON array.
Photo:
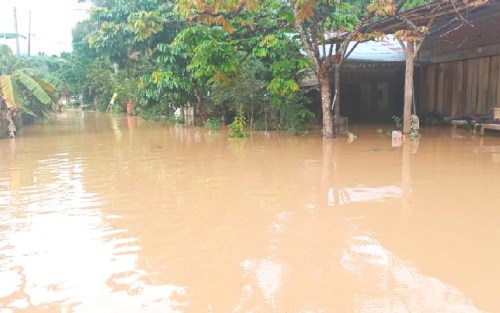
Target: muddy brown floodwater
[{"x": 106, "y": 214}]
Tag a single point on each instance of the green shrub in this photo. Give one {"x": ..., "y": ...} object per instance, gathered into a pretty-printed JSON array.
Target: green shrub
[
  {"x": 398, "y": 121},
  {"x": 297, "y": 116},
  {"x": 212, "y": 124}
]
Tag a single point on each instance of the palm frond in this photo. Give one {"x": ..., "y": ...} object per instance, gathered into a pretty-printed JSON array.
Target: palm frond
[
  {"x": 32, "y": 85},
  {"x": 7, "y": 91},
  {"x": 41, "y": 75},
  {"x": 44, "y": 84}
]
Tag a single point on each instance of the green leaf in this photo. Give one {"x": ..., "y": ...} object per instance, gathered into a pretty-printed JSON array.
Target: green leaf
[
  {"x": 260, "y": 52},
  {"x": 40, "y": 76},
  {"x": 45, "y": 85},
  {"x": 32, "y": 85},
  {"x": 7, "y": 88}
]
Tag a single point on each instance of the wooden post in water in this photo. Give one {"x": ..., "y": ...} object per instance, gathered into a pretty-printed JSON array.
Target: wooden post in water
[{"x": 408, "y": 97}]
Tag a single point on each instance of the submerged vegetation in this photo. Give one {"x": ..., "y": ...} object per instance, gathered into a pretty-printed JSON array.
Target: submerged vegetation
[
  {"x": 237, "y": 127},
  {"x": 239, "y": 62},
  {"x": 243, "y": 70},
  {"x": 245, "y": 75},
  {"x": 212, "y": 124},
  {"x": 27, "y": 89}
]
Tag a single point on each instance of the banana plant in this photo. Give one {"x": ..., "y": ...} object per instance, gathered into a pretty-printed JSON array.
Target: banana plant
[{"x": 18, "y": 85}]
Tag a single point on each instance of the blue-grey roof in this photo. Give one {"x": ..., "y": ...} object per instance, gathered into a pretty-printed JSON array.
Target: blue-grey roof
[{"x": 386, "y": 49}]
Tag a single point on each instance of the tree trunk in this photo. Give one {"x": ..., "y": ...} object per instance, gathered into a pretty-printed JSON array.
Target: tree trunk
[
  {"x": 11, "y": 113},
  {"x": 324, "y": 85},
  {"x": 4, "y": 131},
  {"x": 251, "y": 114},
  {"x": 202, "y": 109},
  {"x": 336, "y": 102},
  {"x": 408, "y": 99}
]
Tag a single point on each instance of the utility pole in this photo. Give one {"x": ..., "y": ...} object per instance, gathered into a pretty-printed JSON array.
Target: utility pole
[
  {"x": 17, "y": 33},
  {"x": 29, "y": 35}
]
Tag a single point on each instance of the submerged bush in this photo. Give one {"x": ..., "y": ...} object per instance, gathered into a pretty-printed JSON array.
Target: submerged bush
[
  {"x": 212, "y": 124},
  {"x": 237, "y": 127}
]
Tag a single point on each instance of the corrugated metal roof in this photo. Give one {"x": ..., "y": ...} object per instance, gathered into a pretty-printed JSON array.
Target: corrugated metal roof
[{"x": 384, "y": 50}]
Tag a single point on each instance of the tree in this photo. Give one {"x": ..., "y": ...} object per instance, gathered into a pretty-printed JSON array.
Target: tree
[
  {"x": 246, "y": 90},
  {"x": 19, "y": 85},
  {"x": 124, "y": 30},
  {"x": 201, "y": 57},
  {"x": 325, "y": 30},
  {"x": 182, "y": 62},
  {"x": 210, "y": 56},
  {"x": 168, "y": 85},
  {"x": 261, "y": 72},
  {"x": 123, "y": 36}
]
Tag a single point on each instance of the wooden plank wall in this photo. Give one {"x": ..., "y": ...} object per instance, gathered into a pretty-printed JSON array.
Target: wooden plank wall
[{"x": 468, "y": 86}]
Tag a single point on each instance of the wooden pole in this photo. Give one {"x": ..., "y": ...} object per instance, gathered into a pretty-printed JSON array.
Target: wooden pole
[
  {"x": 29, "y": 35},
  {"x": 17, "y": 32},
  {"x": 409, "y": 49}
]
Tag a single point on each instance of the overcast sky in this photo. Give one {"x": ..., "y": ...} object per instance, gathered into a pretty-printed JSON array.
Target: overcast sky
[{"x": 51, "y": 23}]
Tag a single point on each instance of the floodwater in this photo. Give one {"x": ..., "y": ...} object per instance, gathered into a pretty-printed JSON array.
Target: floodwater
[{"x": 106, "y": 214}]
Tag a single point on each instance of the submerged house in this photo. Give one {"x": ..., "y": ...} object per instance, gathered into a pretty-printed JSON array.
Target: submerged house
[
  {"x": 459, "y": 65},
  {"x": 457, "y": 70},
  {"x": 372, "y": 82}
]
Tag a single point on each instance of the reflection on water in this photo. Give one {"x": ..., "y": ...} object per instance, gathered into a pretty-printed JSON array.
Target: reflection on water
[
  {"x": 106, "y": 213},
  {"x": 386, "y": 283},
  {"x": 359, "y": 194},
  {"x": 60, "y": 251}
]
